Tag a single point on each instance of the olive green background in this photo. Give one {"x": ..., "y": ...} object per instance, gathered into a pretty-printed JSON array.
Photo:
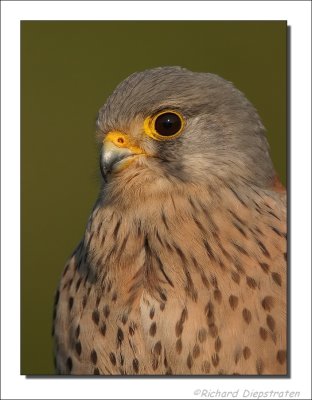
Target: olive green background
[{"x": 67, "y": 71}]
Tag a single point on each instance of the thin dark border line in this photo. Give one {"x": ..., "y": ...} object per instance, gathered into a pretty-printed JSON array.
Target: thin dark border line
[
  {"x": 288, "y": 162},
  {"x": 154, "y": 20},
  {"x": 288, "y": 192}
]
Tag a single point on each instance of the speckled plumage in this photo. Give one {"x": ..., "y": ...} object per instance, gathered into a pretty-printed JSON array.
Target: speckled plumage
[{"x": 182, "y": 268}]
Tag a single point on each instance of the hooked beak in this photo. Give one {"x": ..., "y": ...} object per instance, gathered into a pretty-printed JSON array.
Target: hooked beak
[{"x": 117, "y": 153}]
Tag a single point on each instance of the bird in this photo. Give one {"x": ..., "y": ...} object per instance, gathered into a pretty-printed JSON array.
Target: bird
[{"x": 182, "y": 269}]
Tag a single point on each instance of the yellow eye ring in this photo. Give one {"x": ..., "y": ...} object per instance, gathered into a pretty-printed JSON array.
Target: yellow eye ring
[{"x": 165, "y": 125}]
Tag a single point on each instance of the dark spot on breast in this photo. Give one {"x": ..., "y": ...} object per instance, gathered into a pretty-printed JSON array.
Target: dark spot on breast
[
  {"x": 70, "y": 303},
  {"x": 251, "y": 282},
  {"x": 77, "y": 332},
  {"x": 112, "y": 358},
  {"x": 109, "y": 286},
  {"x": 235, "y": 277},
  {"x": 215, "y": 359},
  {"x": 217, "y": 296},
  {"x": 96, "y": 317},
  {"x": 155, "y": 363},
  {"x": 240, "y": 248},
  {"x": 273, "y": 215},
  {"x": 239, "y": 228},
  {"x": 157, "y": 348},
  {"x": 214, "y": 281},
  {"x": 213, "y": 330},
  {"x": 205, "y": 280},
  {"x": 233, "y": 300},
  {"x": 200, "y": 226},
  {"x": 218, "y": 344},
  {"x": 277, "y": 278},
  {"x": 184, "y": 315},
  {"x": 84, "y": 301},
  {"x": 120, "y": 336},
  {"x": 93, "y": 356},
  {"x": 178, "y": 346},
  {"x": 208, "y": 250},
  {"x": 179, "y": 328},
  {"x": 103, "y": 329},
  {"x": 263, "y": 333},
  {"x": 265, "y": 267},
  {"x": 257, "y": 229},
  {"x": 122, "y": 360},
  {"x": 96, "y": 371},
  {"x": 239, "y": 267},
  {"x": 165, "y": 359},
  {"x": 78, "y": 284},
  {"x": 98, "y": 229},
  {"x": 267, "y": 303},
  {"x": 246, "y": 353},
  {"x": 152, "y": 313},
  {"x": 114, "y": 297},
  {"x": 237, "y": 356},
  {"x": 153, "y": 328},
  {"x": 196, "y": 351},
  {"x": 277, "y": 231},
  {"x": 202, "y": 335},
  {"x": 97, "y": 302},
  {"x": 135, "y": 364},
  {"x": 263, "y": 249},
  {"x": 164, "y": 219},
  {"x": 106, "y": 311},
  {"x": 115, "y": 233},
  {"x": 65, "y": 270},
  {"x": 270, "y": 322},
  {"x": 247, "y": 315},
  {"x": 78, "y": 348},
  {"x": 102, "y": 240},
  {"x": 235, "y": 215},
  {"x": 162, "y": 306},
  {"x": 237, "y": 196},
  {"x": 124, "y": 319},
  {"x": 69, "y": 364},
  {"x": 163, "y": 296},
  {"x": 189, "y": 361},
  {"x": 281, "y": 356},
  {"x": 224, "y": 252},
  {"x": 209, "y": 312},
  {"x": 123, "y": 245},
  {"x": 273, "y": 337},
  {"x": 206, "y": 367}
]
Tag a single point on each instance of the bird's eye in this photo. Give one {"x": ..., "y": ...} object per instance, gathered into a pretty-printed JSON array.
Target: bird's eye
[
  {"x": 164, "y": 125},
  {"x": 168, "y": 124}
]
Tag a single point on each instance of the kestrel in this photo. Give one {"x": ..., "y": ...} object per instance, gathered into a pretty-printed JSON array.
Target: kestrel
[{"x": 182, "y": 267}]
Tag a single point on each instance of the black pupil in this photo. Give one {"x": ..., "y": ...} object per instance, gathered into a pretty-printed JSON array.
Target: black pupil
[{"x": 168, "y": 124}]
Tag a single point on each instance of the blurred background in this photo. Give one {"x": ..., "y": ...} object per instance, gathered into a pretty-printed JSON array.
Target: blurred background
[{"x": 67, "y": 71}]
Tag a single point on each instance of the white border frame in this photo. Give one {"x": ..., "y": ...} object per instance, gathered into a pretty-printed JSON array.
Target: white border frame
[{"x": 297, "y": 13}]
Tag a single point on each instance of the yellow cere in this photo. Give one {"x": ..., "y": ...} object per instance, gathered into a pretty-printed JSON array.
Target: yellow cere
[
  {"x": 122, "y": 140},
  {"x": 149, "y": 125}
]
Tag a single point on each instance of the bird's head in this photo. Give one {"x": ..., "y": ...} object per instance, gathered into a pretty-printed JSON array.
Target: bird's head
[{"x": 171, "y": 122}]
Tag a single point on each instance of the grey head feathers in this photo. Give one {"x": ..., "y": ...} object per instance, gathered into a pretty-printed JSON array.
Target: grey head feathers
[{"x": 223, "y": 135}]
